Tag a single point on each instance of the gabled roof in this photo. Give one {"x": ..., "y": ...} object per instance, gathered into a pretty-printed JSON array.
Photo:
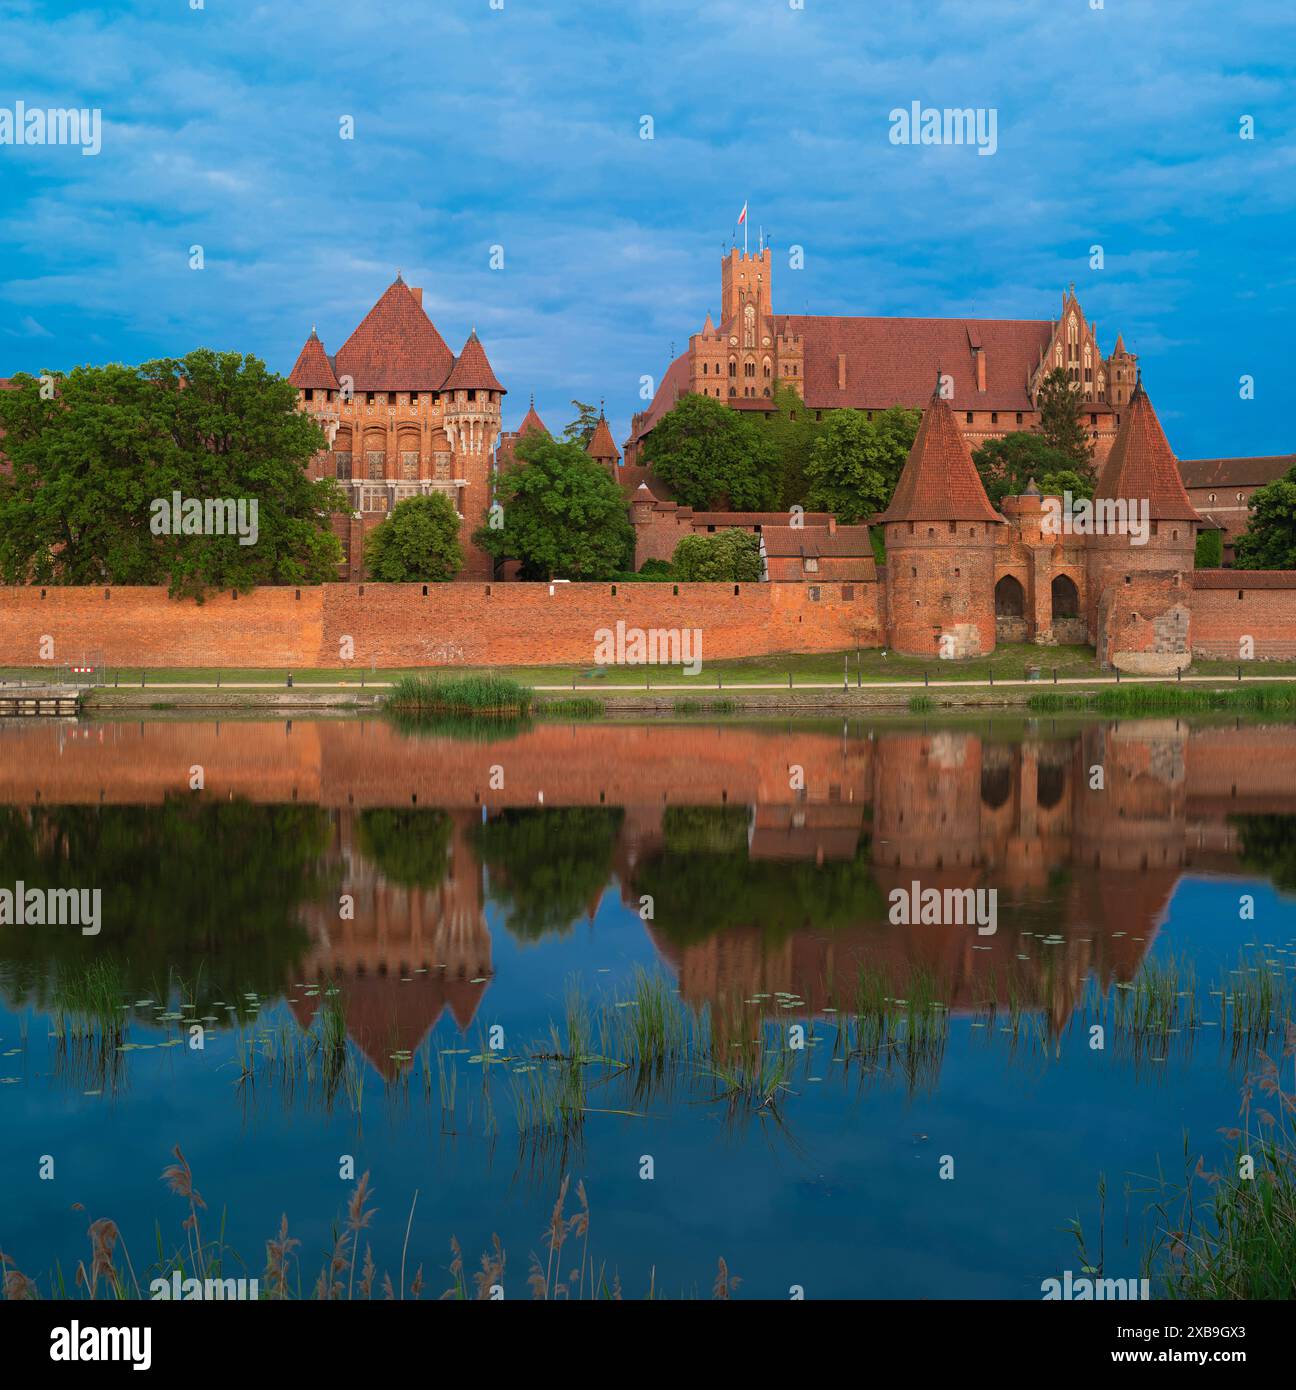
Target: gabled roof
[
  {"x": 471, "y": 371},
  {"x": 601, "y": 445},
  {"x": 1241, "y": 472},
  {"x": 313, "y": 370},
  {"x": 1142, "y": 465},
  {"x": 395, "y": 348},
  {"x": 939, "y": 481}
]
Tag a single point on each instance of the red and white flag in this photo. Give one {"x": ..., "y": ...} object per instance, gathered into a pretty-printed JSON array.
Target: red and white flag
[{"x": 742, "y": 216}]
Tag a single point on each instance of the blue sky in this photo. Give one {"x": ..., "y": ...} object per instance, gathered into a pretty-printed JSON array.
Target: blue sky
[{"x": 521, "y": 127}]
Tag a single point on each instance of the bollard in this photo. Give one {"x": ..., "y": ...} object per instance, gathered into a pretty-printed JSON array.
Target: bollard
[
  {"x": 1055, "y": 682},
  {"x": 992, "y": 677},
  {"x": 925, "y": 680},
  {"x": 1118, "y": 675},
  {"x": 1239, "y": 673},
  {"x": 789, "y": 680},
  {"x": 1179, "y": 673},
  {"x": 289, "y": 680}
]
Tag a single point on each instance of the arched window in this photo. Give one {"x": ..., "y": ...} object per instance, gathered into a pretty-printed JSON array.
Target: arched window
[
  {"x": 1066, "y": 598},
  {"x": 1010, "y": 598}
]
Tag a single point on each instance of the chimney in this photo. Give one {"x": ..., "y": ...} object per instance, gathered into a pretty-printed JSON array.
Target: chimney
[
  {"x": 418, "y": 296},
  {"x": 980, "y": 357},
  {"x": 832, "y": 524},
  {"x": 841, "y": 371}
]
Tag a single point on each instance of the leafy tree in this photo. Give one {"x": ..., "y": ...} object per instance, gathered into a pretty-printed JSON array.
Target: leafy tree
[
  {"x": 1210, "y": 550},
  {"x": 563, "y": 514},
  {"x": 418, "y": 543},
  {"x": 1007, "y": 465},
  {"x": 1269, "y": 542},
  {"x": 729, "y": 556},
  {"x": 1060, "y": 406},
  {"x": 713, "y": 457},
  {"x": 791, "y": 431},
  {"x": 90, "y": 463},
  {"x": 856, "y": 462},
  {"x": 581, "y": 429}
]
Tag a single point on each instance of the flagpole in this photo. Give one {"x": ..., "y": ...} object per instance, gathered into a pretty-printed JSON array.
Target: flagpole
[{"x": 745, "y": 221}]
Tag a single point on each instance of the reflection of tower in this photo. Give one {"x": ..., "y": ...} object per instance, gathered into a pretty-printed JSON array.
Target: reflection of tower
[{"x": 409, "y": 952}]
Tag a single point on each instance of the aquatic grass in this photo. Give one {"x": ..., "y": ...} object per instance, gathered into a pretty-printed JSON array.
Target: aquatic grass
[
  {"x": 1169, "y": 699},
  {"x": 921, "y": 704},
  {"x": 479, "y": 693},
  {"x": 572, "y": 707}
]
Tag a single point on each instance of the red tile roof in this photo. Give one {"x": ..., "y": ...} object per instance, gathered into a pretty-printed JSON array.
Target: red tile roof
[
  {"x": 601, "y": 445},
  {"x": 1142, "y": 465},
  {"x": 471, "y": 371},
  {"x": 395, "y": 348},
  {"x": 313, "y": 370},
  {"x": 1242, "y": 472},
  {"x": 891, "y": 361},
  {"x": 939, "y": 481},
  {"x": 815, "y": 541},
  {"x": 1243, "y": 579}
]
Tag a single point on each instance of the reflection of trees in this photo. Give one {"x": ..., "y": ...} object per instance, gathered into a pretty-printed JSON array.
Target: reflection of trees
[
  {"x": 407, "y": 847},
  {"x": 704, "y": 881},
  {"x": 189, "y": 887},
  {"x": 547, "y": 866},
  {"x": 1269, "y": 846}
]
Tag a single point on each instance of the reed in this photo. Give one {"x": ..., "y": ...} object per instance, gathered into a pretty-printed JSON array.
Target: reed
[{"x": 477, "y": 694}]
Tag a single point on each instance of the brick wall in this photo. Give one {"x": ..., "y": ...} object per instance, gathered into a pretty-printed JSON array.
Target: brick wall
[
  {"x": 1231, "y": 604},
  {"x": 400, "y": 625}
]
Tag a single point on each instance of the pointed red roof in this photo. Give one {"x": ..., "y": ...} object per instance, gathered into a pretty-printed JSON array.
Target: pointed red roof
[
  {"x": 313, "y": 370},
  {"x": 939, "y": 481},
  {"x": 531, "y": 421},
  {"x": 1142, "y": 465},
  {"x": 471, "y": 371},
  {"x": 601, "y": 445},
  {"x": 395, "y": 348}
]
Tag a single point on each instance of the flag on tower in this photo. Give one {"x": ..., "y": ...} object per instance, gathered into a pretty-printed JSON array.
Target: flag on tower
[{"x": 742, "y": 216}]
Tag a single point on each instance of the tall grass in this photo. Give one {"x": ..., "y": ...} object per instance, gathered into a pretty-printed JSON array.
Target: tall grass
[
  {"x": 477, "y": 693},
  {"x": 1170, "y": 699}
]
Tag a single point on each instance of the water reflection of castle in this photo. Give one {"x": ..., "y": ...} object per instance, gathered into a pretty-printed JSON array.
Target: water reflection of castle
[{"x": 956, "y": 808}]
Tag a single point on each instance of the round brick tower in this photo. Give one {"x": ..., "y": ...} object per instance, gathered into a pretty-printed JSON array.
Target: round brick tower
[
  {"x": 940, "y": 545},
  {"x": 1150, "y": 525}
]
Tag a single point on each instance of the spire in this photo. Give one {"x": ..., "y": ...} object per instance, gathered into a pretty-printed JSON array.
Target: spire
[
  {"x": 472, "y": 371},
  {"x": 531, "y": 420},
  {"x": 1142, "y": 465},
  {"x": 939, "y": 481},
  {"x": 313, "y": 371},
  {"x": 1119, "y": 349},
  {"x": 601, "y": 445}
]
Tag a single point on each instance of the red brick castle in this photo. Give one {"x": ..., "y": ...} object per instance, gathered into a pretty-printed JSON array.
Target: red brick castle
[
  {"x": 995, "y": 365},
  {"x": 403, "y": 416}
]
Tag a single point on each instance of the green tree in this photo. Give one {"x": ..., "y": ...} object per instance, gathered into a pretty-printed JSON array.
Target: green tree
[
  {"x": 1007, "y": 465},
  {"x": 418, "y": 543},
  {"x": 1269, "y": 541},
  {"x": 729, "y": 556},
  {"x": 791, "y": 431},
  {"x": 1210, "y": 549},
  {"x": 712, "y": 457},
  {"x": 856, "y": 462},
  {"x": 1060, "y": 405},
  {"x": 92, "y": 463},
  {"x": 563, "y": 515},
  {"x": 581, "y": 429}
]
